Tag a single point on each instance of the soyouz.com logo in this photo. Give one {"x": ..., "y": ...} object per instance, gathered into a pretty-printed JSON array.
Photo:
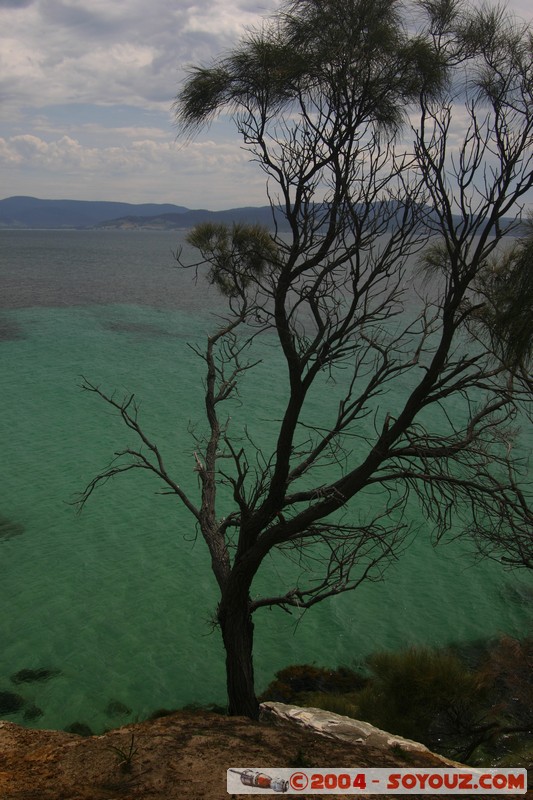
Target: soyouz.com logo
[{"x": 273, "y": 780}]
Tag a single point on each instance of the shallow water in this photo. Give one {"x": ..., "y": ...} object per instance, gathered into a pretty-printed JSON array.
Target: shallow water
[{"x": 120, "y": 599}]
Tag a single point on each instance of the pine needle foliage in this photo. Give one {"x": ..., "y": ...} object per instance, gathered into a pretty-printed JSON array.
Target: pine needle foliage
[
  {"x": 507, "y": 313},
  {"x": 239, "y": 254},
  {"x": 353, "y": 54}
]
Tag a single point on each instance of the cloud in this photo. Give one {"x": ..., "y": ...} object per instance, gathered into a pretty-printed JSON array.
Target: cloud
[
  {"x": 217, "y": 18},
  {"x": 15, "y": 3},
  {"x": 122, "y": 52},
  {"x": 202, "y": 174},
  {"x": 68, "y": 153},
  {"x": 86, "y": 90}
]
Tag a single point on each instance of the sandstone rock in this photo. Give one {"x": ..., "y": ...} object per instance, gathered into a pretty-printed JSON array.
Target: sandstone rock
[{"x": 336, "y": 726}]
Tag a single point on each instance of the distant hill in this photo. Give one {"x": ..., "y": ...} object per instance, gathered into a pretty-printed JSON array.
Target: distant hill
[
  {"x": 188, "y": 219},
  {"x": 31, "y": 212}
]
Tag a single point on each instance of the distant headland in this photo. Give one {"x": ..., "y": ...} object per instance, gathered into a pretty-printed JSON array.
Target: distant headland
[{"x": 31, "y": 212}]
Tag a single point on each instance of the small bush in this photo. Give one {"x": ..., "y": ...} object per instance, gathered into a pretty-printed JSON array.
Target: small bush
[
  {"x": 509, "y": 670},
  {"x": 344, "y": 704},
  {"x": 292, "y": 682},
  {"x": 422, "y": 694}
]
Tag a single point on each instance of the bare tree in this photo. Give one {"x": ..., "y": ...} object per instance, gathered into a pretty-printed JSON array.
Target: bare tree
[{"x": 324, "y": 96}]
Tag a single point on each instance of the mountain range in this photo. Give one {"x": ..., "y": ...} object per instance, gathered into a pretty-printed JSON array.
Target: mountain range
[{"x": 32, "y": 212}]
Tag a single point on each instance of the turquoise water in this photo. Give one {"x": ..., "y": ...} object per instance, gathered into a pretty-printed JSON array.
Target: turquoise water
[{"x": 120, "y": 599}]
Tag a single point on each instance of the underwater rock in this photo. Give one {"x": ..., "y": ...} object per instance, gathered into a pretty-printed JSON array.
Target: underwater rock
[
  {"x": 80, "y": 728},
  {"x": 9, "y": 529},
  {"x": 140, "y": 328},
  {"x": 32, "y": 712},
  {"x": 35, "y": 675},
  {"x": 117, "y": 709},
  {"x": 10, "y": 702}
]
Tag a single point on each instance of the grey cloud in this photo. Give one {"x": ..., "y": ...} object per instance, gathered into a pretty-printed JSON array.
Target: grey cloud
[
  {"x": 83, "y": 21},
  {"x": 265, "y": 8},
  {"x": 16, "y": 3},
  {"x": 126, "y": 53}
]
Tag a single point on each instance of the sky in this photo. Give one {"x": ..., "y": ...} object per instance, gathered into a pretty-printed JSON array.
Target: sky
[{"x": 86, "y": 93}]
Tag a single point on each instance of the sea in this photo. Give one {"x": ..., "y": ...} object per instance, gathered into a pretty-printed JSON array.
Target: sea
[{"x": 109, "y": 613}]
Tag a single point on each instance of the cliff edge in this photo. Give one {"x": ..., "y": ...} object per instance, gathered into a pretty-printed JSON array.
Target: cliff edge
[{"x": 185, "y": 755}]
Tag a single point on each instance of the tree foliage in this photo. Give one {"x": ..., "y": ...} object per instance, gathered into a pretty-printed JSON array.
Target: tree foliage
[
  {"x": 354, "y": 57},
  {"x": 238, "y": 256},
  {"x": 351, "y": 114},
  {"x": 506, "y": 286}
]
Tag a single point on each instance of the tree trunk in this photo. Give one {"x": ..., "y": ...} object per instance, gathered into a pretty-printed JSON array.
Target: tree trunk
[{"x": 238, "y": 634}]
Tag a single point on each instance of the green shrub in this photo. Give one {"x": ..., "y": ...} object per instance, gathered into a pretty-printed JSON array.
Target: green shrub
[
  {"x": 473, "y": 702},
  {"x": 344, "y": 704},
  {"x": 293, "y": 681},
  {"x": 422, "y": 694}
]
